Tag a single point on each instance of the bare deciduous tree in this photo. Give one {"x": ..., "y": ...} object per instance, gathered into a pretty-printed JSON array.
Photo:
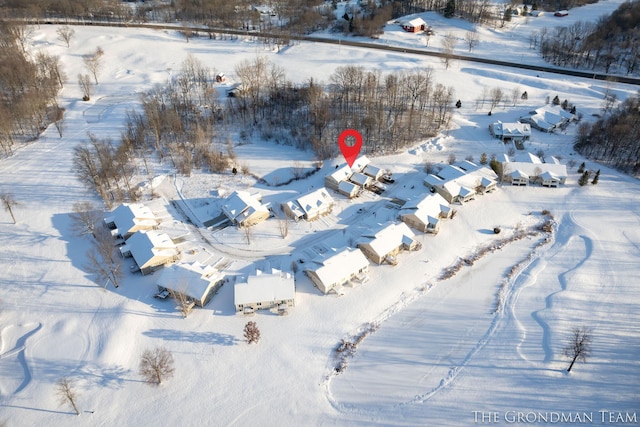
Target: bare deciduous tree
[
  {"x": 283, "y": 225},
  {"x": 85, "y": 84},
  {"x": 84, "y": 218},
  {"x": 66, "y": 393},
  {"x": 448, "y": 46},
  {"x": 9, "y": 202},
  {"x": 496, "y": 95},
  {"x": 103, "y": 259},
  {"x": 93, "y": 62},
  {"x": 472, "y": 39},
  {"x": 156, "y": 365},
  {"x": 579, "y": 346},
  {"x": 65, "y": 33},
  {"x": 184, "y": 302},
  {"x": 251, "y": 332}
]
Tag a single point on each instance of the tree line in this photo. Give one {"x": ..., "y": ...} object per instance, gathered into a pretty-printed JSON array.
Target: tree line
[
  {"x": 615, "y": 137},
  {"x": 188, "y": 123},
  {"x": 28, "y": 88},
  {"x": 611, "y": 44}
]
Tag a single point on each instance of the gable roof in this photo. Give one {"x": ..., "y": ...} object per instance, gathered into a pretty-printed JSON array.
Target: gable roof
[
  {"x": 360, "y": 163},
  {"x": 241, "y": 205},
  {"x": 415, "y": 23},
  {"x": 274, "y": 286},
  {"x": 427, "y": 208},
  {"x": 338, "y": 264},
  {"x": 511, "y": 129},
  {"x": 388, "y": 238},
  {"x": 128, "y": 215},
  {"x": 314, "y": 201},
  {"x": 341, "y": 174},
  {"x": 194, "y": 280},
  {"x": 144, "y": 245}
]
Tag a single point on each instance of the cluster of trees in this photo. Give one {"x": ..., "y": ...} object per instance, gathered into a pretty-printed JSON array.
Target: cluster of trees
[
  {"x": 99, "y": 10},
  {"x": 107, "y": 168},
  {"x": 28, "y": 88},
  {"x": 390, "y": 110},
  {"x": 612, "y": 44},
  {"x": 614, "y": 138},
  {"x": 185, "y": 122}
]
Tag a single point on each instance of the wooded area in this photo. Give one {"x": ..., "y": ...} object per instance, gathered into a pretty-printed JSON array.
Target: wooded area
[
  {"x": 181, "y": 119},
  {"x": 613, "y": 139},
  {"x": 612, "y": 44},
  {"x": 28, "y": 89}
]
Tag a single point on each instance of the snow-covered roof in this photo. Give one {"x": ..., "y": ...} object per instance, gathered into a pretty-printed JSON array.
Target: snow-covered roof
[
  {"x": 315, "y": 201},
  {"x": 274, "y": 286},
  {"x": 373, "y": 171},
  {"x": 536, "y": 169},
  {"x": 427, "y": 209},
  {"x": 194, "y": 280},
  {"x": 511, "y": 129},
  {"x": 360, "y": 179},
  {"x": 415, "y": 22},
  {"x": 388, "y": 238},
  {"x": 336, "y": 265},
  {"x": 348, "y": 187},
  {"x": 549, "y": 116},
  {"x": 462, "y": 178},
  {"x": 129, "y": 215},
  {"x": 341, "y": 174},
  {"x": 518, "y": 174},
  {"x": 527, "y": 158},
  {"x": 144, "y": 245},
  {"x": 241, "y": 204},
  {"x": 360, "y": 163}
]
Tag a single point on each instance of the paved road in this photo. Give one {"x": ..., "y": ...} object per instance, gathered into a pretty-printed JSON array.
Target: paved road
[{"x": 378, "y": 46}]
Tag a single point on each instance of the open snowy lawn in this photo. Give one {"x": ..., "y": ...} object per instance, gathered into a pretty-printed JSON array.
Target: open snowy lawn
[{"x": 440, "y": 352}]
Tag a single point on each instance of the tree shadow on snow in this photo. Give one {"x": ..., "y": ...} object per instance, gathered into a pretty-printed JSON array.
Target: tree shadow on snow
[{"x": 194, "y": 337}]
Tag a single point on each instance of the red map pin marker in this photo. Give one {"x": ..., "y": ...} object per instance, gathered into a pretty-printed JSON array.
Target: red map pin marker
[{"x": 350, "y": 152}]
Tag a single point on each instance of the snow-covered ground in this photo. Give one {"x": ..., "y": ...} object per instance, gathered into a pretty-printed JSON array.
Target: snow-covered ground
[{"x": 440, "y": 356}]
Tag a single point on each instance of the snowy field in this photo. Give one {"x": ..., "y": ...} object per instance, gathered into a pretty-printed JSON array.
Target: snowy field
[{"x": 441, "y": 356}]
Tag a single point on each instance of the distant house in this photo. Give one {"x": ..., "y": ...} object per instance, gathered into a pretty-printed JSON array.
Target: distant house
[
  {"x": 349, "y": 189},
  {"x": 462, "y": 181},
  {"x": 309, "y": 206},
  {"x": 150, "y": 249},
  {"x": 384, "y": 244},
  {"x": 264, "y": 291},
  {"x": 561, "y": 13},
  {"x": 528, "y": 168},
  {"x": 244, "y": 209},
  {"x": 221, "y": 78},
  {"x": 128, "y": 218},
  {"x": 548, "y": 118},
  {"x": 337, "y": 268},
  {"x": 195, "y": 281},
  {"x": 334, "y": 179},
  {"x": 511, "y": 132},
  {"x": 414, "y": 25},
  {"x": 424, "y": 213}
]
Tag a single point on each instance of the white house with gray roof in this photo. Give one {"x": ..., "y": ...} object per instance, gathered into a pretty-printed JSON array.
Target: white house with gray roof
[{"x": 336, "y": 268}]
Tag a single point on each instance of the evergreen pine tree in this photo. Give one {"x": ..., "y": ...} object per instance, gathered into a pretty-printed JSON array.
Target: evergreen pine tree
[
  {"x": 483, "y": 159},
  {"x": 556, "y": 100},
  {"x": 581, "y": 168},
  {"x": 458, "y": 104},
  {"x": 450, "y": 9},
  {"x": 596, "y": 178},
  {"x": 584, "y": 179}
]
